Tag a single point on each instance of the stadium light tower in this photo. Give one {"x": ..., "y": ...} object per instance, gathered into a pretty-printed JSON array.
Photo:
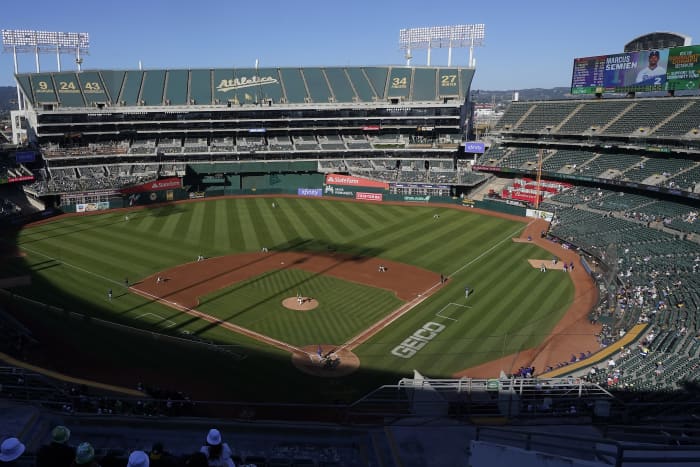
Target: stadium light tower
[
  {"x": 459, "y": 36},
  {"x": 27, "y": 41}
]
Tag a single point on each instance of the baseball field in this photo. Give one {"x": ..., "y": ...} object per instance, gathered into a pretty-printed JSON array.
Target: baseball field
[{"x": 218, "y": 271}]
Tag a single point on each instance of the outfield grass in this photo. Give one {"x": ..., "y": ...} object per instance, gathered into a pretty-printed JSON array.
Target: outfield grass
[{"x": 75, "y": 260}]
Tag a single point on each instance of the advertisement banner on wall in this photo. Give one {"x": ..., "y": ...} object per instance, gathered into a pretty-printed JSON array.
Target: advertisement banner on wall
[
  {"x": 158, "y": 185},
  {"x": 331, "y": 190},
  {"x": 91, "y": 207},
  {"x": 349, "y": 180},
  {"x": 368, "y": 196},
  {"x": 310, "y": 191},
  {"x": 538, "y": 214}
]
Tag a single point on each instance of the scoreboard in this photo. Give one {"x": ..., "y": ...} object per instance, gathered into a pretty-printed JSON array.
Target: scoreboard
[{"x": 676, "y": 68}]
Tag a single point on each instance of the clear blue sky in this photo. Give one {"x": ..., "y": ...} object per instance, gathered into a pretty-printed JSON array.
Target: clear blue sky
[{"x": 528, "y": 43}]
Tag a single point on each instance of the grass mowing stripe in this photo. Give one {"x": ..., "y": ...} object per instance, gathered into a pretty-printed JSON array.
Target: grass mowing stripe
[
  {"x": 194, "y": 229},
  {"x": 207, "y": 237},
  {"x": 248, "y": 228},
  {"x": 221, "y": 232},
  {"x": 263, "y": 235},
  {"x": 296, "y": 227},
  {"x": 235, "y": 228},
  {"x": 317, "y": 225},
  {"x": 271, "y": 233},
  {"x": 351, "y": 213},
  {"x": 169, "y": 227},
  {"x": 332, "y": 224}
]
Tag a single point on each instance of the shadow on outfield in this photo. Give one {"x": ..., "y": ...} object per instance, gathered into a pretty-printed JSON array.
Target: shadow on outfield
[
  {"x": 359, "y": 254},
  {"x": 97, "y": 220}
]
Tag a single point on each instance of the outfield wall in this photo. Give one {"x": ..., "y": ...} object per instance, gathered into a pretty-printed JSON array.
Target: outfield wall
[{"x": 208, "y": 180}]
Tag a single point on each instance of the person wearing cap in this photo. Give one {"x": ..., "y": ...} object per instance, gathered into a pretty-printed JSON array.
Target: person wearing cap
[
  {"x": 138, "y": 459},
  {"x": 218, "y": 453},
  {"x": 159, "y": 457},
  {"x": 85, "y": 456},
  {"x": 653, "y": 71},
  {"x": 57, "y": 453},
  {"x": 10, "y": 450}
]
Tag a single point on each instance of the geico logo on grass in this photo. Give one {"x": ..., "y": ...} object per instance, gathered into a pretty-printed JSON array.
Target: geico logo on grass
[{"x": 411, "y": 345}]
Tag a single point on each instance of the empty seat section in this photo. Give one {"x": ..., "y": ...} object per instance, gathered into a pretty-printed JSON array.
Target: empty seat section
[
  {"x": 153, "y": 87},
  {"x": 43, "y": 89},
  {"x": 316, "y": 82},
  {"x": 94, "y": 90},
  {"x": 377, "y": 77},
  {"x": 645, "y": 114},
  {"x": 224, "y": 85},
  {"x": 399, "y": 83},
  {"x": 424, "y": 88},
  {"x": 595, "y": 114},
  {"x": 131, "y": 87},
  {"x": 293, "y": 85},
  {"x": 448, "y": 82},
  {"x": 361, "y": 84},
  {"x": 519, "y": 157},
  {"x": 513, "y": 113},
  {"x": 656, "y": 166},
  {"x": 547, "y": 115},
  {"x": 200, "y": 87},
  {"x": 176, "y": 87},
  {"x": 113, "y": 81},
  {"x": 609, "y": 164},
  {"x": 687, "y": 120},
  {"x": 340, "y": 84},
  {"x": 68, "y": 89},
  {"x": 270, "y": 87},
  {"x": 565, "y": 159}
]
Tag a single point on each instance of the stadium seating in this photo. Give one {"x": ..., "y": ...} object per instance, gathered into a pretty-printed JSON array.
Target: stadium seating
[
  {"x": 593, "y": 115},
  {"x": 644, "y": 116},
  {"x": 545, "y": 116}
]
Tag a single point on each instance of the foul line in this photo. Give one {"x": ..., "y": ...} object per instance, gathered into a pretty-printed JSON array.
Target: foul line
[
  {"x": 508, "y": 237},
  {"x": 224, "y": 324},
  {"x": 71, "y": 265},
  {"x": 162, "y": 318},
  {"x": 231, "y": 327},
  {"x": 371, "y": 331}
]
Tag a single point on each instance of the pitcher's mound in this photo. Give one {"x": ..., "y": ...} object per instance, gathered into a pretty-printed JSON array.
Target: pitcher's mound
[
  {"x": 332, "y": 363},
  {"x": 305, "y": 304}
]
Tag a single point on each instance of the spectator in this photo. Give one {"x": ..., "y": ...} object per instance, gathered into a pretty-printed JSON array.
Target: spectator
[
  {"x": 138, "y": 459},
  {"x": 218, "y": 453},
  {"x": 10, "y": 450},
  {"x": 198, "y": 459},
  {"x": 85, "y": 455},
  {"x": 161, "y": 458},
  {"x": 57, "y": 453}
]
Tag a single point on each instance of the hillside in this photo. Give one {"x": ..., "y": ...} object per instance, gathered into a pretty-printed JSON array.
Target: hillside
[{"x": 8, "y": 100}]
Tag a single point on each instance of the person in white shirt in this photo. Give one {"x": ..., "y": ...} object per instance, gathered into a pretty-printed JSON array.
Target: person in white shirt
[{"x": 652, "y": 70}]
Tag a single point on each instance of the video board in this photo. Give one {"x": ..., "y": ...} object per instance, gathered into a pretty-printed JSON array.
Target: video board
[{"x": 677, "y": 68}]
